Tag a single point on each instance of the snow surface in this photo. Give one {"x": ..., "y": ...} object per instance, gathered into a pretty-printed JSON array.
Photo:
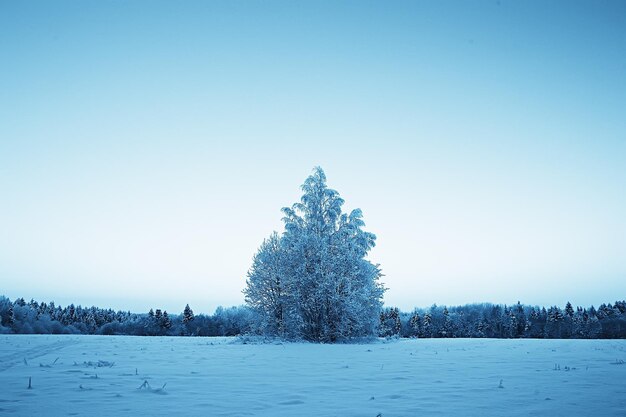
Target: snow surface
[{"x": 102, "y": 376}]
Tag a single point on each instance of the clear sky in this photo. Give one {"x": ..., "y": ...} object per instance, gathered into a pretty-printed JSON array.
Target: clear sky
[{"x": 146, "y": 148}]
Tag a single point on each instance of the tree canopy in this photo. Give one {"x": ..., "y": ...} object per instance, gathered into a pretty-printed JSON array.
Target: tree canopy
[{"x": 314, "y": 281}]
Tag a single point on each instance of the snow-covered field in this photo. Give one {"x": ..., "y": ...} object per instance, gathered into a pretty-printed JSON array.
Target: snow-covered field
[{"x": 105, "y": 376}]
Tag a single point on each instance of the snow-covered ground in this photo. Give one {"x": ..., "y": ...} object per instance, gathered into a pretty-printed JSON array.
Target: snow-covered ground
[{"x": 105, "y": 376}]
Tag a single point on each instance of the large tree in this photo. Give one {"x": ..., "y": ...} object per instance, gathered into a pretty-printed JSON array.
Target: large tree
[{"x": 314, "y": 282}]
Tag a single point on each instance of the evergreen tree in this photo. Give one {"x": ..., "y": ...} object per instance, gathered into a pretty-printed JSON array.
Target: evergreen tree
[
  {"x": 416, "y": 324},
  {"x": 10, "y": 317},
  {"x": 568, "y": 321},
  {"x": 427, "y": 325},
  {"x": 532, "y": 324},
  {"x": 52, "y": 310},
  {"x": 397, "y": 324},
  {"x": 511, "y": 323},
  {"x": 578, "y": 323},
  {"x": 7, "y": 317},
  {"x": 612, "y": 321},
  {"x": 521, "y": 320},
  {"x": 390, "y": 323},
  {"x": 495, "y": 322},
  {"x": 446, "y": 329},
  {"x": 43, "y": 309},
  {"x": 71, "y": 310},
  {"x": 90, "y": 321},
  {"x": 593, "y": 328},
  {"x": 188, "y": 315},
  {"x": 480, "y": 328},
  {"x": 166, "y": 322},
  {"x": 554, "y": 323}
]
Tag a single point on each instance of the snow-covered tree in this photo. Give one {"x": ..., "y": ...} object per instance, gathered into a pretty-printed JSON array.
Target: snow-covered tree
[
  {"x": 427, "y": 325},
  {"x": 6, "y": 312},
  {"x": 187, "y": 322},
  {"x": 593, "y": 328},
  {"x": 166, "y": 322},
  {"x": 522, "y": 321},
  {"x": 187, "y": 314},
  {"x": 480, "y": 328},
  {"x": 568, "y": 321},
  {"x": 390, "y": 324},
  {"x": 415, "y": 323},
  {"x": 554, "y": 323},
  {"x": 315, "y": 282},
  {"x": 265, "y": 292}
]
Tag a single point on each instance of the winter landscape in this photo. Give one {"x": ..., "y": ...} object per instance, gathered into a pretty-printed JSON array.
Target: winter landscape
[
  {"x": 312, "y": 208},
  {"x": 161, "y": 376}
]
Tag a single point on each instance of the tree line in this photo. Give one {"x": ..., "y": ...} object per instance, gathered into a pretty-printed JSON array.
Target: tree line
[
  {"x": 608, "y": 321},
  {"x": 34, "y": 317}
]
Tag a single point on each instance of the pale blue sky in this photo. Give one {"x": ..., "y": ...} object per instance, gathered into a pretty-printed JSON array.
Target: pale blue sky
[{"x": 146, "y": 148}]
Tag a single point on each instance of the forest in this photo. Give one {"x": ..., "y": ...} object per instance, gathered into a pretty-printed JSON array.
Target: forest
[
  {"x": 484, "y": 320},
  {"x": 34, "y": 317}
]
